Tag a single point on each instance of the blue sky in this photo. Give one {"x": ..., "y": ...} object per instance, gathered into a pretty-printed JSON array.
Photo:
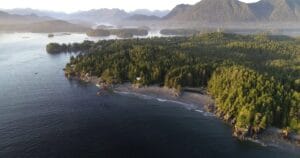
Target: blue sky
[{"x": 75, "y": 5}]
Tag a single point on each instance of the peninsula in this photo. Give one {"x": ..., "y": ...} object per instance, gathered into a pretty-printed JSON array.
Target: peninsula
[{"x": 254, "y": 79}]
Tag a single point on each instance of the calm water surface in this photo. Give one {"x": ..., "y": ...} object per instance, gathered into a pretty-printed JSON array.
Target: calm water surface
[{"x": 44, "y": 115}]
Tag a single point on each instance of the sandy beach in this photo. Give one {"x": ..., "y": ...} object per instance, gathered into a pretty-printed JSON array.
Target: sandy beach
[{"x": 190, "y": 99}]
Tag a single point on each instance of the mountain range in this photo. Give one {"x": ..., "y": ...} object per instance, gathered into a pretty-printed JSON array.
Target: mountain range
[
  {"x": 34, "y": 23},
  {"x": 204, "y": 13},
  {"x": 226, "y": 11},
  {"x": 7, "y": 19},
  {"x": 94, "y": 15}
]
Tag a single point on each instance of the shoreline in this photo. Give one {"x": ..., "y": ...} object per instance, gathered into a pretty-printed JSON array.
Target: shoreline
[
  {"x": 204, "y": 104},
  {"x": 193, "y": 101}
]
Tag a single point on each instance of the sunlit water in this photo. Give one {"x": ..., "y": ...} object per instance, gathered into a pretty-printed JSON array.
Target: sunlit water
[{"x": 44, "y": 115}]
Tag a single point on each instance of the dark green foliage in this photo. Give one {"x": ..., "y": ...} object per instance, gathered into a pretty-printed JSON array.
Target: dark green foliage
[
  {"x": 189, "y": 76},
  {"x": 98, "y": 33},
  {"x": 128, "y": 33},
  {"x": 253, "y": 100},
  {"x": 254, "y": 78},
  {"x": 122, "y": 33},
  {"x": 54, "y": 48},
  {"x": 179, "y": 32}
]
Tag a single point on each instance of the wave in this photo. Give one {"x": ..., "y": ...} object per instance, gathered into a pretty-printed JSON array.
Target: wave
[
  {"x": 200, "y": 111},
  {"x": 208, "y": 114},
  {"x": 155, "y": 98},
  {"x": 162, "y": 100},
  {"x": 260, "y": 142},
  {"x": 135, "y": 94},
  {"x": 189, "y": 106}
]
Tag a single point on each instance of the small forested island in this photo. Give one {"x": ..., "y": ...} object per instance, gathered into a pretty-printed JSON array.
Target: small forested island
[
  {"x": 54, "y": 48},
  {"x": 254, "y": 79},
  {"x": 50, "y": 35},
  {"x": 122, "y": 33}
]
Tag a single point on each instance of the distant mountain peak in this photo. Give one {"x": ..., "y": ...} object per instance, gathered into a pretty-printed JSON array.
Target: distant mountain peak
[
  {"x": 214, "y": 11},
  {"x": 147, "y": 12},
  {"x": 179, "y": 9},
  {"x": 141, "y": 17},
  {"x": 231, "y": 11}
]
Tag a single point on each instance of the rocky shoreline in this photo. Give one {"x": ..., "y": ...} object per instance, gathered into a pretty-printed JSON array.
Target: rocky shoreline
[{"x": 269, "y": 137}]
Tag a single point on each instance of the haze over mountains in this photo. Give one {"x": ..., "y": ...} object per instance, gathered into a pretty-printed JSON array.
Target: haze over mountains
[
  {"x": 206, "y": 13},
  {"x": 220, "y": 11},
  {"x": 6, "y": 18},
  {"x": 94, "y": 15},
  {"x": 34, "y": 23}
]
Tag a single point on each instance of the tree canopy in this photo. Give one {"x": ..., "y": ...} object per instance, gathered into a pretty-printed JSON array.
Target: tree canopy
[{"x": 255, "y": 79}]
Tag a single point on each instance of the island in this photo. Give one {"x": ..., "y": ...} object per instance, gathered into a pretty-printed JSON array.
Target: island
[
  {"x": 98, "y": 33},
  {"x": 50, "y": 35},
  {"x": 122, "y": 33},
  {"x": 253, "y": 79},
  {"x": 55, "y": 48}
]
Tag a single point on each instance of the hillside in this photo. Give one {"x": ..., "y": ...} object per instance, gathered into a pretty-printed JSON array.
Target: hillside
[
  {"x": 44, "y": 27},
  {"x": 7, "y": 19},
  {"x": 140, "y": 17},
  {"x": 213, "y": 11},
  {"x": 41, "y": 13},
  {"x": 94, "y": 15},
  {"x": 158, "y": 13},
  {"x": 178, "y": 11},
  {"x": 277, "y": 10},
  {"x": 100, "y": 15},
  {"x": 56, "y": 26},
  {"x": 233, "y": 11}
]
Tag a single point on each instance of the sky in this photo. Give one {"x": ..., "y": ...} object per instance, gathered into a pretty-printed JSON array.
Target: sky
[{"x": 76, "y": 5}]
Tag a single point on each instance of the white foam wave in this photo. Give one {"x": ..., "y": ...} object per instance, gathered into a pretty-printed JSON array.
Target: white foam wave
[
  {"x": 199, "y": 111},
  {"x": 135, "y": 94},
  {"x": 162, "y": 100},
  {"x": 260, "y": 142},
  {"x": 207, "y": 114},
  {"x": 186, "y": 105}
]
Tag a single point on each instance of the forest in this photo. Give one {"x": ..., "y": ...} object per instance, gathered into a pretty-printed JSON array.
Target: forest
[
  {"x": 254, "y": 79},
  {"x": 179, "y": 32},
  {"x": 122, "y": 33}
]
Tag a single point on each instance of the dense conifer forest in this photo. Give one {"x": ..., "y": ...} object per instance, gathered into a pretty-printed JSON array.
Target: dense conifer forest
[
  {"x": 122, "y": 33},
  {"x": 254, "y": 79}
]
